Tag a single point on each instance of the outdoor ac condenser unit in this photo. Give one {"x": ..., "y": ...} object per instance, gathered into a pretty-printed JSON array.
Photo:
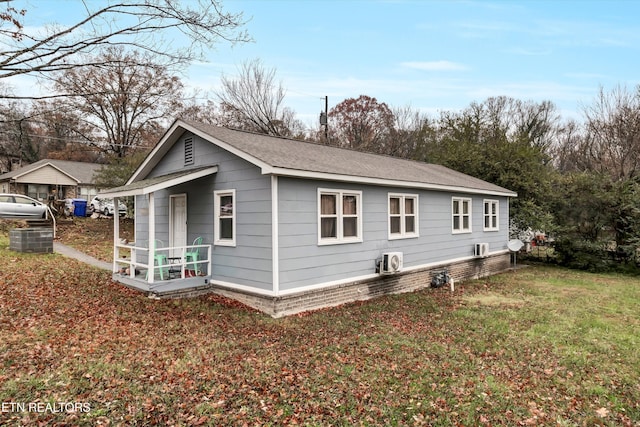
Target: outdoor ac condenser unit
[
  {"x": 391, "y": 262},
  {"x": 481, "y": 250}
]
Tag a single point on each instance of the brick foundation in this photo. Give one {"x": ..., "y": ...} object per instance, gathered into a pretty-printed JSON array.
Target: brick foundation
[
  {"x": 33, "y": 240},
  {"x": 363, "y": 290}
]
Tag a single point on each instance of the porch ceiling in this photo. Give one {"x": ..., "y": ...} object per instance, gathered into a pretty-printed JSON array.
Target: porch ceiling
[{"x": 151, "y": 185}]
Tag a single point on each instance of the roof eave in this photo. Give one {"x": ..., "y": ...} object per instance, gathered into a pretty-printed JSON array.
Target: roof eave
[
  {"x": 133, "y": 190},
  {"x": 294, "y": 173}
]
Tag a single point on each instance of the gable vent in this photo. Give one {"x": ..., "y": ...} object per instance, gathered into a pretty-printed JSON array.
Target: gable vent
[{"x": 188, "y": 151}]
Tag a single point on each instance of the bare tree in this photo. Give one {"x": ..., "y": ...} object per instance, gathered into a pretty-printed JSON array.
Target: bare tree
[
  {"x": 59, "y": 131},
  {"x": 16, "y": 136},
  {"x": 612, "y": 140},
  {"x": 568, "y": 153},
  {"x": 125, "y": 104},
  {"x": 406, "y": 136},
  {"x": 144, "y": 25},
  {"x": 254, "y": 101}
]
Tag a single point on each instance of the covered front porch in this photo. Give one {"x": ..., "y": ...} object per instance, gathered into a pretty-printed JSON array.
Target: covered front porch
[
  {"x": 149, "y": 264},
  {"x": 169, "y": 269}
]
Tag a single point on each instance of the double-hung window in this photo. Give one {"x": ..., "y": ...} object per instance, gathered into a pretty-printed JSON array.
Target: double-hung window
[
  {"x": 225, "y": 218},
  {"x": 460, "y": 215},
  {"x": 339, "y": 216},
  {"x": 491, "y": 215},
  {"x": 403, "y": 216}
]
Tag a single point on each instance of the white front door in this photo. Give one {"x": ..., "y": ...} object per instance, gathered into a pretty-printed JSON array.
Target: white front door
[{"x": 178, "y": 222}]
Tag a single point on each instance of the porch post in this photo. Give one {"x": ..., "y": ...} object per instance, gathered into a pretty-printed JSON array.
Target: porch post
[
  {"x": 152, "y": 238},
  {"x": 116, "y": 235},
  {"x": 275, "y": 245}
]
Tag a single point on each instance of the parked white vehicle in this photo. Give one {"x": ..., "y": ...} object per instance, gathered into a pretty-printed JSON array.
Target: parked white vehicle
[
  {"x": 105, "y": 206},
  {"x": 20, "y": 206}
]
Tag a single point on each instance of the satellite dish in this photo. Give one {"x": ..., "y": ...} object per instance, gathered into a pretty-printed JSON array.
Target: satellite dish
[{"x": 515, "y": 245}]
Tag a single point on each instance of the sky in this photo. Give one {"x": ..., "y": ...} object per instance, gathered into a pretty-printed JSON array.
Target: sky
[{"x": 429, "y": 55}]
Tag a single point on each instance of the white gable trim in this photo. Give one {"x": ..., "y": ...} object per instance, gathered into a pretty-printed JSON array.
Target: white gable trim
[
  {"x": 172, "y": 135},
  {"x": 30, "y": 171}
]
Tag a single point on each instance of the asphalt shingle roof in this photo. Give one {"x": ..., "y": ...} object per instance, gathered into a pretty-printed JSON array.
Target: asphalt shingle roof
[
  {"x": 295, "y": 155},
  {"x": 81, "y": 171}
]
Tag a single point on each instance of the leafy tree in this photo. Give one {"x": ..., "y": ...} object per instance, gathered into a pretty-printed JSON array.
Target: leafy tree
[
  {"x": 255, "y": 102},
  {"x": 599, "y": 220},
  {"x": 362, "y": 124},
  {"x": 198, "y": 112},
  {"x": 143, "y": 25},
  {"x": 582, "y": 205},
  {"x": 118, "y": 170},
  {"x": 123, "y": 105},
  {"x": 503, "y": 141}
]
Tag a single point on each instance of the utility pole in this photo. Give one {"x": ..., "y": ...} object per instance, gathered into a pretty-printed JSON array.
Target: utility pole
[{"x": 324, "y": 118}]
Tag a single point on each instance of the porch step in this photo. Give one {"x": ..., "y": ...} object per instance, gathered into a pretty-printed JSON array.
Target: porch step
[{"x": 33, "y": 223}]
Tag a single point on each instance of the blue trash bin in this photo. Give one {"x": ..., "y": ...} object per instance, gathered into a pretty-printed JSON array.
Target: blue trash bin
[{"x": 79, "y": 207}]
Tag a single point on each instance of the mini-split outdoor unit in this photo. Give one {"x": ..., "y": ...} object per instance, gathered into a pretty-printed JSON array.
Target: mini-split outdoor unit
[
  {"x": 481, "y": 250},
  {"x": 391, "y": 262}
]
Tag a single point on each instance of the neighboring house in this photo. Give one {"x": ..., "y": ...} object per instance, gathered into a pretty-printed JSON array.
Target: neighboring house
[
  {"x": 289, "y": 226},
  {"x": 65, "y": 179}
]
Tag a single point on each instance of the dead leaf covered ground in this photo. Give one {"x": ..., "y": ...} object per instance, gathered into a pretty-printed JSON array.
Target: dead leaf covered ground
[{"x": 82, "y": 350}]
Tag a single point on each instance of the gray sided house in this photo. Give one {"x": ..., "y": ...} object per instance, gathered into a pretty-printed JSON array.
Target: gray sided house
[{"x": 287, "y": 226}]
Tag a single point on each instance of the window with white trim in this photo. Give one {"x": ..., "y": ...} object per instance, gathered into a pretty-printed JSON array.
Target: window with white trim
[
  {"x": 491, "y": 210},
  {"x": 403, "y": 216},
  {"x": 225, "y": 218},
  {"x": 339, "y": 216},
  {"x": 460, "y": 215}
]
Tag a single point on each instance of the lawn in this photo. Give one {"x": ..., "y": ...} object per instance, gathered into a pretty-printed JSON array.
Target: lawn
[
  {"x": 94, "y": 236},
  {"x": 539, "y": 346}
]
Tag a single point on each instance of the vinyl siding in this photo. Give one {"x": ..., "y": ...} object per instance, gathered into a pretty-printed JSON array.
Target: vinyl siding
[
  {"x": 47, "y": 175},
  {"x": 304, "y": 263}
]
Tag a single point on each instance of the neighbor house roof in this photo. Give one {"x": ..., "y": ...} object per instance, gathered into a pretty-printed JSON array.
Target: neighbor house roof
[
  {"x": 80, "y": 172},
  {"x": 289, "y": 157}
]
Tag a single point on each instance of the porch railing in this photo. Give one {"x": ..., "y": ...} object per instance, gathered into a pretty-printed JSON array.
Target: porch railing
[{"x": 127, "y": 256}]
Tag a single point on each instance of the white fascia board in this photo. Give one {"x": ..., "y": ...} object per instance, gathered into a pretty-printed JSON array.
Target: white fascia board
[
  {"x": 169, "y": 135},
  {"x": 381, "y": 182},
  {"x": 40, "y": 167},
  {"x": 161, "y": 185}
]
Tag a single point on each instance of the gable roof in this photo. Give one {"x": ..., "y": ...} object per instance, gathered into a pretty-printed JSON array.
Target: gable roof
[
  {"x": 288, "y": 157},
  {"x": 81, "y": 172}
]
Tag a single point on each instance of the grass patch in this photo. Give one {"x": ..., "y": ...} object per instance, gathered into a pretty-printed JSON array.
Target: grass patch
[
  {"x": 539, "y": 346},
  {"x": 93, "y": 236}
]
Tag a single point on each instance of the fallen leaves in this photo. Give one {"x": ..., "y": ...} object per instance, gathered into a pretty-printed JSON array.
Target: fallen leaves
[{"x": 69, "y": 334}]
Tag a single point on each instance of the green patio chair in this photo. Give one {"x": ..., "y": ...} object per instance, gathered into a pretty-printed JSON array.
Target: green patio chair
[
  {"x": 193, "y": 255},
  {"x": 160, "y": 259}
]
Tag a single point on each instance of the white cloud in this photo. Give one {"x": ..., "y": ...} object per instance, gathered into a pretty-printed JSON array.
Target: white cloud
[{"x": 434, "y": 65}]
